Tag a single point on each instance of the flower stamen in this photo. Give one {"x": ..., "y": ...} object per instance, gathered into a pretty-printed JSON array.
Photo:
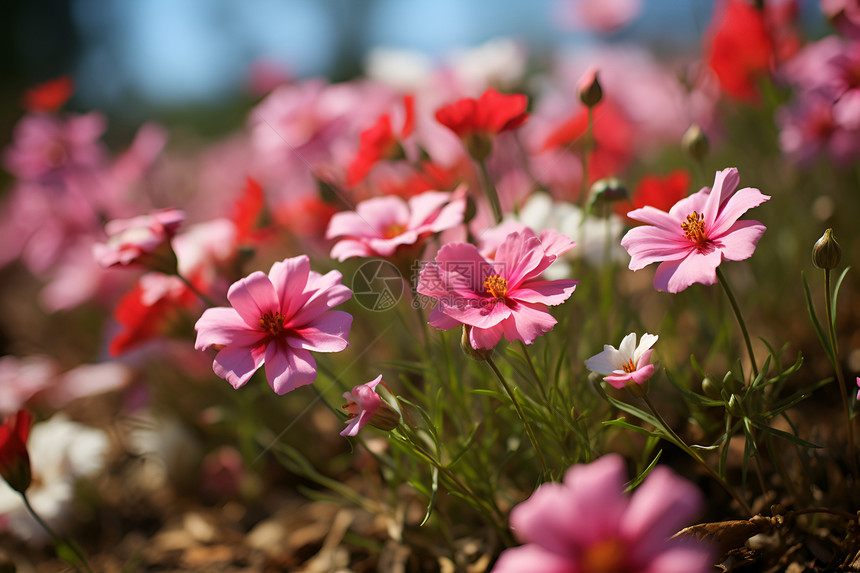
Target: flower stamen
[
  {"x": 629, "y": 367},
  {"x": 496, "y": 286},
  {"x": 273, "y": 322},
  {"x": 694, "y": 227}
]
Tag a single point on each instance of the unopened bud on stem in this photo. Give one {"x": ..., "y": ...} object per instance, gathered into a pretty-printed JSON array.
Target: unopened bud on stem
[
  {"x": 695, "y": 142},
  {"x": 588, "y": 89},
  {"x": 826, "y": 253}
]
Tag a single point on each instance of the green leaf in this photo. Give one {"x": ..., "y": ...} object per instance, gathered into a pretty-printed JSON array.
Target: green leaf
[
  {"x": 692, "y": 397},
  {"x": 620, "y": 422},
  {"x": 638, "y": 479},
  {"x": 434, "y": 487},
  {"x": 490, "y": 393},
  {"x": 825, "y": 343},
  {"x": 835, "y": 295},
  {"x": 784, "y": 435}
]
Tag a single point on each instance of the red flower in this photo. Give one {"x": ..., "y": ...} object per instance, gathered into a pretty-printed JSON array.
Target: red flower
[
  {"x": 741, "y": 48},
  {"x": 14, "y": 459},
  {"x": 612, "y": 133},
  {"x": 250, "y": 215},
  {"x": 379, "y": 142},
  {"x": 49, "y": 96},
  {"x": 477, "y": 121},
  {"x": 147, "y": 313},
  {"x": 658, "y": 192}
]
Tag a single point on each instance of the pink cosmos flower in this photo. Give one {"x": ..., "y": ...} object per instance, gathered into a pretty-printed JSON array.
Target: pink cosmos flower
[
  {"x": 587, "y": 523},
  {"x": 503, "y": 296},
  {"x": 696, "y": 234},
  {"x": 380, "y": 225},
  {"x": 276, "y": 320},
  {"x": 365, "y": 406},
  {"x": 628, "y": 364},
  {"x": 144, "y": 240}
]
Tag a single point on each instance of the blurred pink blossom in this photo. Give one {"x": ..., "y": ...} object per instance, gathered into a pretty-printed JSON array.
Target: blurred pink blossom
[
  {"x": 380, "y": 225},
  {"x": 844, "y": 15},
  {"x": 630, "y": 363},
  {"x": 276, "y": 320},
  {"x": 140, "y": 240},
  {"x": 22, "y": 379},
  {"x": 46, "y": 148},
  {"x": 604, "y": 16},
  {"x": 587, "y": 523},
  {"x": 504, "y": 296},
  {"x": 697, "y": 233}
]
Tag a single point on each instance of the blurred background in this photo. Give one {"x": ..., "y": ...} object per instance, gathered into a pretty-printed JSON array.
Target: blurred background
[{"x": 195, "y": 60}]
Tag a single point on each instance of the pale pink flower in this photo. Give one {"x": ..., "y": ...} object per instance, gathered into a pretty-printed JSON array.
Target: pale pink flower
[
  {"x": 858, "y": 384},
  {"x": 362, "y": 405},
  {"x": 697, "y": 233},
  {"x": 604, "y": 16},
  {"x": 276, "y": 320},
  {"x": 503, "y": 296},
  {"x": 380, "y": 225},
  {"x": 628, "y": 364},
  {"x": 139, "y": 239},
  {"x": 587, "y": 523}
]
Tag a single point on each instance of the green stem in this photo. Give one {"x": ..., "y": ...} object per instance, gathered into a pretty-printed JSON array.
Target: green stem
[
  {"x": 206, "y": 300},
  {"x": 58, "y": 541},
  {"x": 675, "y": 439},
  {"x": 490, "y": 191},
  {"x": 839, "y": 376},
  {"x": 520, "y": 412},
  {"x": 494, "y": 514},
  {"x": 534, "y": 373},
  {"x": 587, "y": 142},
  {"x": 724, "y": 283}
]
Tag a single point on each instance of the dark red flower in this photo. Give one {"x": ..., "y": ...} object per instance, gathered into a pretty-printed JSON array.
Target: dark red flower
[
  {"x": 49, "y": 96},
  {"x": 476, "y": 122},
  {"x": 14, "y": 459},
  {"x": 740, "y": 49}
]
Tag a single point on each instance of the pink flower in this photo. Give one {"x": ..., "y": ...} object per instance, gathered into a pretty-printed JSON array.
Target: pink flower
[
  {"x": 587, "y": 523},
  {"x": 858, "y": 384},
  {"x": 380, "y": 225},
  {"x": 365, "y": 406},
  {"x": 143, "y": 240},
  {"x": 630, "y": 363},
  {"x": 277, "y": 320},
  {"x": 696, "y": 234},
  {"x": 502, "y": 296}
]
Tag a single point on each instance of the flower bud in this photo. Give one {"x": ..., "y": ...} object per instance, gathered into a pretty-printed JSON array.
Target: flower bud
[
  {"x": 605, "y": 191},
  {"x": 14, "y": 459},
  {"x": 588, "y": 89},
  {"x": 479, "y": 354},
  {"x": 695, "y": 142},
  {"x": 711, "y": 388},
  {"x": 638, "y": 390},
  {"x": 735, "y": 407},
  {"x": 826, "y": 253},
  {"x": 385, "y": 417}
]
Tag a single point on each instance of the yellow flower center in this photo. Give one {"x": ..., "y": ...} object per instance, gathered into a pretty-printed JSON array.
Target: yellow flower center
[
  {"x": 629, "y": 367},
  {"x": 496, "y": 286},
  {"x": 392, "y": 230},
  {"x": 273, "y": 322},
  {"x": 606, "y": 556},
  {"x": 694, "y": 227}
]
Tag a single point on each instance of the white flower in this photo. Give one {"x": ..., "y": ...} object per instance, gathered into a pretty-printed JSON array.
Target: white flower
[
  {"x": 630, "y": 363},
  {"x": 61, "y": 452}
]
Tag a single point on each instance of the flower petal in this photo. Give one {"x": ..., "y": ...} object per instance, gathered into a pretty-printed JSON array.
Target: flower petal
[
  {"x": 252, "y": 297},
  {"x": 546, "y": 292},
  {"x": 675, "y": 276},
  {"x": 328, "y": 333},
  {"x": 289, "y": 368},
  {"x": 740, "y": 240},
  {"x": 737, "y": 205},
  {"x": 237, "y": 364}
]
